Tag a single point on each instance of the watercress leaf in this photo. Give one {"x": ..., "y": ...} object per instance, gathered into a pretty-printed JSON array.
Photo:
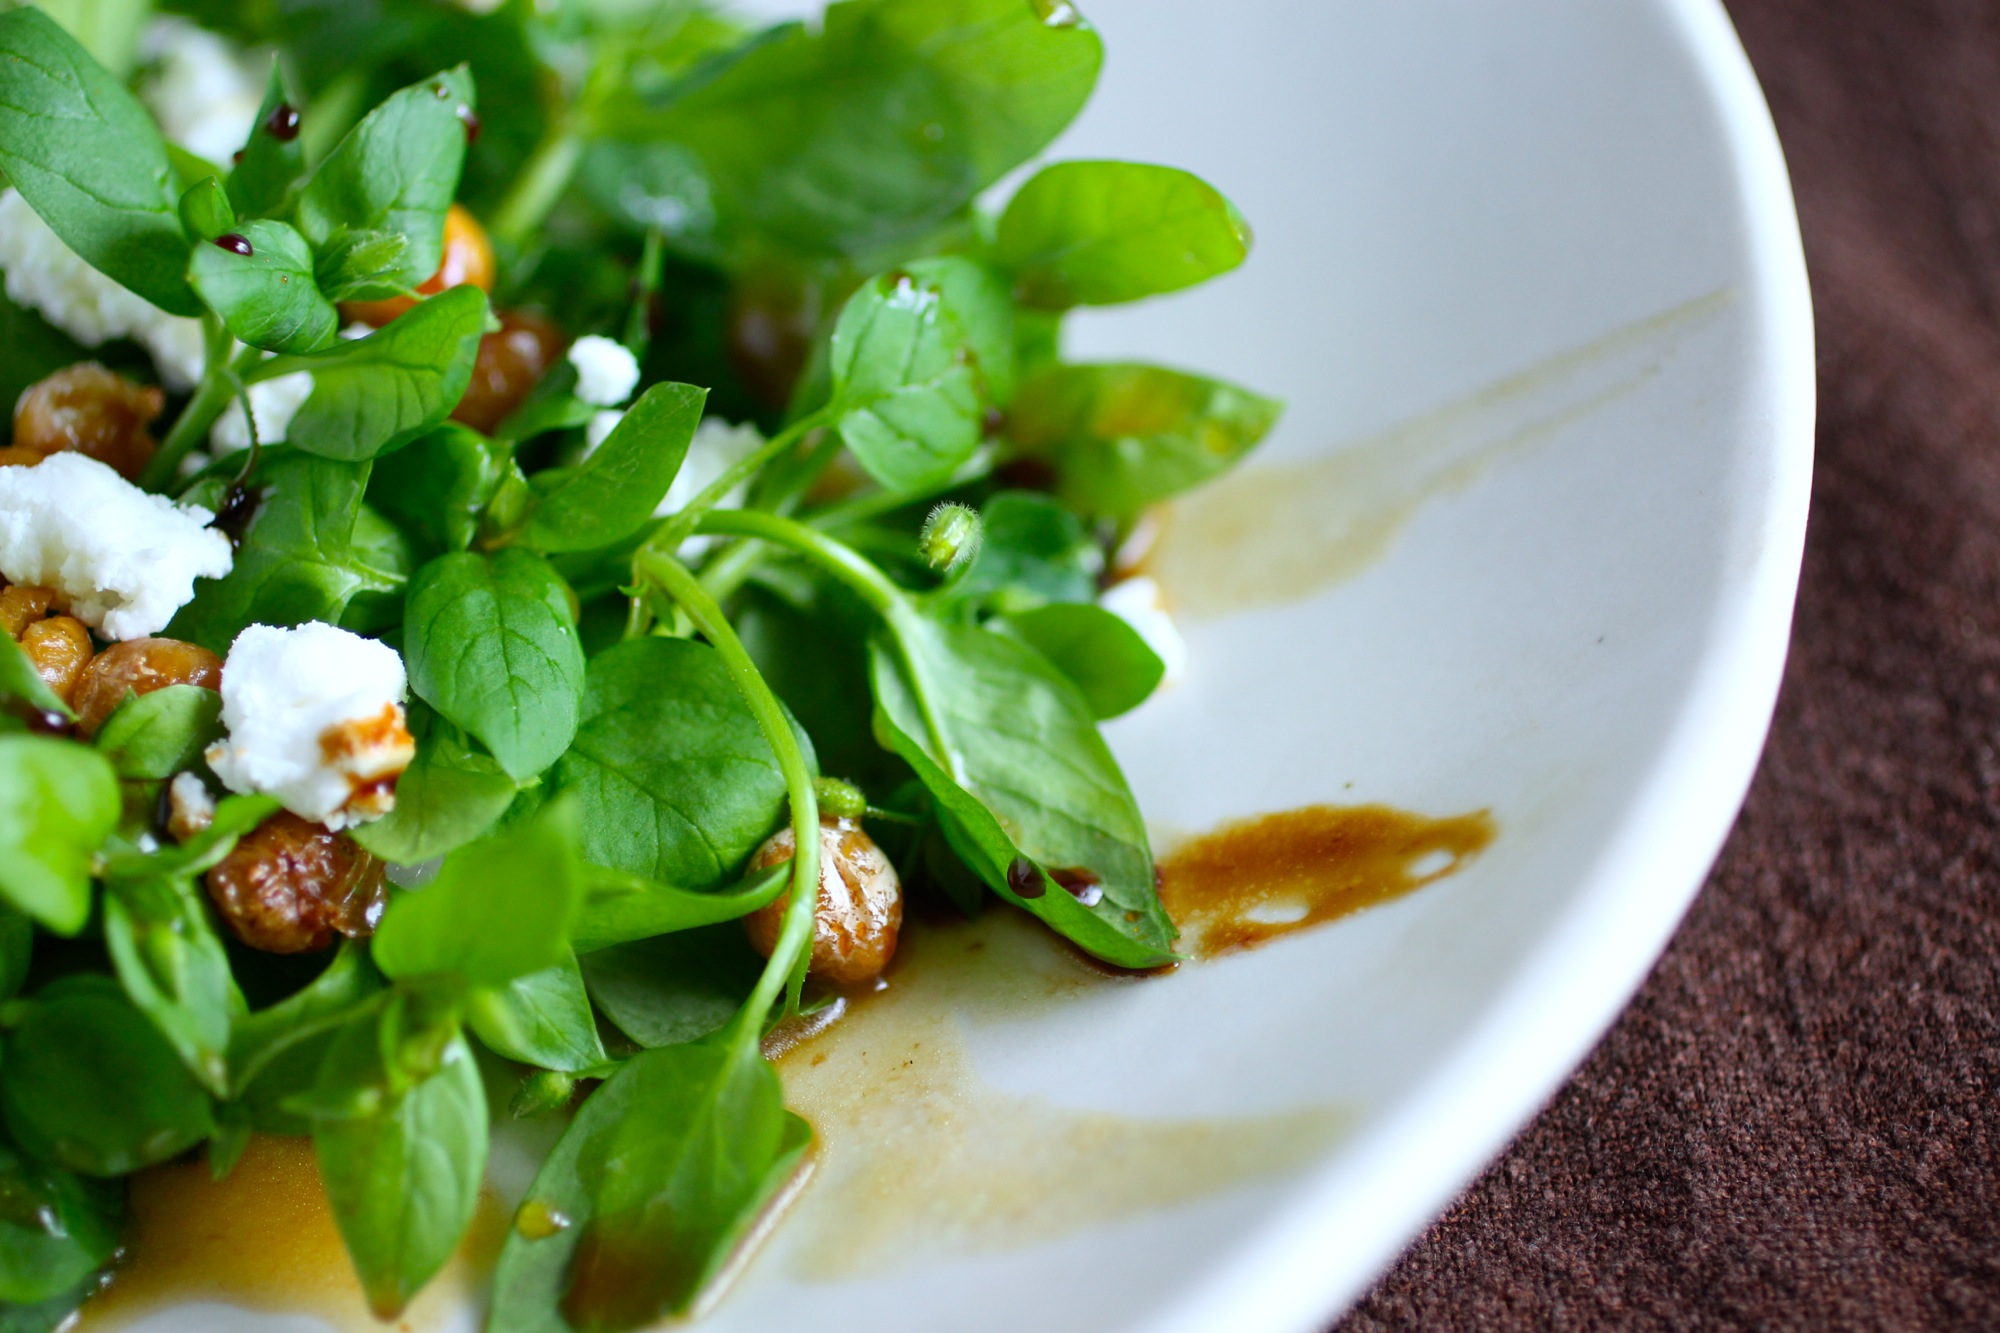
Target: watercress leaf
[
  {"x": 1123, "y": 437},
  {"x": 205, "y": 210},
  {"x": 918, "y": 356},
  {"x": 358, "y": 262},
  {"x": 1035, "y": 549},
  {"x": 521, "y": 885},
  {"x": 21, "y": 683},
  {"x": 612, "y": 493},
  {"x": 618, "y": 906},
  {"x": 374, "y": 394},
  {"x": 877, "y": 127},
  {"x": 1010, "y": 753},
  {"x": 91, "y": 1085},
  {"x": 56, "y": 1229},
  {"x": 491, "y": 644},
  {"x": 661, "y": 1173},
  {"x": 403, "y": 1179},
  {"x": 1098, "y": 233},
  {"x": 326, "y": 1002},
  {"x": 1103, "y": 657},
  {"x": 670, "y": 772},
  {"x": 53, "y": 1315},
  {"x": 58, "y": 803},
  {"x": 153, "y": 736},
  {"x": 541, "y": 1019},
  {"x": 267, "y": 297},
  {"x": 437, "y": 487},
  {"x": 234, "y": 816},
  {"x": 297, "y": 561},
  {"x": 87, "y": 157},
  {"x": 449, "y": 795},
  {"x": 265, "y": 176},
  {"x": 395, "y": 172},
  {"x": 173, "y": 966},
  {"x": 674, "y": 988}
]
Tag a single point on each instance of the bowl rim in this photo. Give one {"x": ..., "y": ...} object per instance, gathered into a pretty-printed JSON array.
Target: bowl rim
[{"x": 1307, "y": 1261}]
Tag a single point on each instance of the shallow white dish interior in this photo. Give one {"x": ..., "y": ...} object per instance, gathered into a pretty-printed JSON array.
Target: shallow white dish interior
[{"x": 1532, "y": 270}]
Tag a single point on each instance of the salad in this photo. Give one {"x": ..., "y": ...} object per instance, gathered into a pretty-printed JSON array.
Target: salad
[{"x": 491, "y": 486}]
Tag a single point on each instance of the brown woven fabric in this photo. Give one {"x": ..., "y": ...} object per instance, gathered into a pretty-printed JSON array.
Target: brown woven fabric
[{"x": 1797, "y": 1124}]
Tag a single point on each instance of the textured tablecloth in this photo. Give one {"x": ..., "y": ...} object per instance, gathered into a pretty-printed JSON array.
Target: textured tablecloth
[{"x": 1797, "y": 1123}]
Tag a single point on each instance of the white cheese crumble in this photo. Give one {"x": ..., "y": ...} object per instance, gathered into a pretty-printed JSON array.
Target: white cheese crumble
[
  {"x": 315, "y": 718},
  {"x": 124, "y": 559},
  {"x": 598, "y": 429},
  {"x": 190, "y": 806},
  {"x": 606, "y": 372},
  {"x": 49, "y": 278},
  {"x": 205, "y": 95},
  {"x": 273, "y": 404},
  {"x": 1140, "y": 603},
  {"x": 716, "y": 447}
]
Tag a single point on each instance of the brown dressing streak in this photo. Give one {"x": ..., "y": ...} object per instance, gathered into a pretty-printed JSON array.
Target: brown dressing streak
[
  {"x": 1255, "y": 880},
  {"x": 264, "y": 1239}
]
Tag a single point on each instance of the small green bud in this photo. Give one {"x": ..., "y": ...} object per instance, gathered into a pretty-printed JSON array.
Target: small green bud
[
  {"x": 206, "y": 212},
  {"x": 951, "y": 537},
  {"x": 543, "y": 1091},
  {"x": 842, "y": 800}
]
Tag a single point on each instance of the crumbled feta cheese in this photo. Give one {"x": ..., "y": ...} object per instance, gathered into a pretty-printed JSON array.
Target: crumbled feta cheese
[
  {"x": 190, "y": 806},
  {"x": 598, "y": 429},
  {"x": 49, "y": 278},
  {"x": 356, "y": 331},
  {"x": 124, "y": 559},
  {"x": 315, "y": 718},
  {"x": 1139, "y": 603},
  {"x": 606, "y": 372},
  {"x": 273, "y": 404},
  {"x": 203, "y": 93},
  {"x": 716, "y": 447}
]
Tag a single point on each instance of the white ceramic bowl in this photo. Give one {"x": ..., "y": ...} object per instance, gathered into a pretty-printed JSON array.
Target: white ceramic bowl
[{"x": 1529, "y": 277}]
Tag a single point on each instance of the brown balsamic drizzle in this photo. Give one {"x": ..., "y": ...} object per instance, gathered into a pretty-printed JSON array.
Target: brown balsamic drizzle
[{"x": 1255, "y": 880}]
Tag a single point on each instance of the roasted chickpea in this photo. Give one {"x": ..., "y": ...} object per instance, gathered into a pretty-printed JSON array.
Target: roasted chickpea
[
  {"x": 21, "y": 605},
  {"x": 468, "y": 258},
  {"x": 139, "y": 666},
  {"x": 13, "y": 455},
  {"x": 509, "y": 363},
  {"x": 291, "y": 887},
  {"x": 860, "y": 907},
  {"x": 91, "y": 411},
  {"x": 60, "y": 648}
]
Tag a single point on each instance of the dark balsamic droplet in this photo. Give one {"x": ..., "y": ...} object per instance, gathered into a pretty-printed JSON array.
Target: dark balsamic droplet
[
  {"x": 238, "y": 508},
  {"x": 283, "y": 122},
  {"x": 471, "y": 120},
  {"x": 236, "y": 158},
  {"x": 234, "y": 244},
  {"x": 1081, "y": 884},
  {"x": 1024, "y": 877}
]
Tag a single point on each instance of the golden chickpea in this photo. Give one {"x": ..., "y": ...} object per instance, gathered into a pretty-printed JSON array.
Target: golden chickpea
[
  {"x": 60, "y": 648},
  {"x": 468, "y": 258},
  {"x": 860, "y": 909},
  {"x": 291, "y": 887},
  {"x": 509, "y": 364},
  {"x": 139, "y": 666},
  {"x": 21, "y": 605},
  {"x": 91, "y": 411},
  {"x": 13, "y": 455}
]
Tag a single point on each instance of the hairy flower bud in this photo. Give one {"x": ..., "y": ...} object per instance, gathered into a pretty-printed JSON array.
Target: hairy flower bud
[{"x": 951, "y": 537}]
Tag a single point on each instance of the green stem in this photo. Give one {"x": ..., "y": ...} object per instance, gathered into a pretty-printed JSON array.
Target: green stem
[
  {"x": 539, "y": 183},
  {"x": 219, "y": 384},
  {"x": 795, "y": 935},
  {"x": 874, "y": 504},
  {"x": 639, "y": 319},
  {"x": 681, "y": 525},
  {"x": 836, "y": 558},
  {"x": 869, "y": 582}
]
